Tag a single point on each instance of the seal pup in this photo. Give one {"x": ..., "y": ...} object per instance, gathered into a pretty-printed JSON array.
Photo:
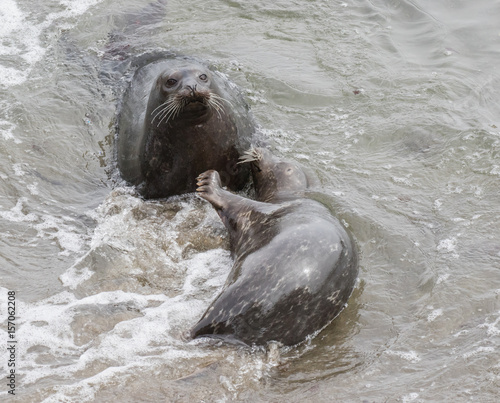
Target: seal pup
[
  {"x": 295, "y": 265},
  {"x": 178, "y": 118}
]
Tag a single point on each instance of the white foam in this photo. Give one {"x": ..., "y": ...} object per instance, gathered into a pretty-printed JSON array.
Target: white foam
[
  {"x": 491, "y": 328},
  {"x": 18, "y": 169},
  {"x": 86, "y": 390},
  {"x": 152, "y": 336},
  {"x": 434, "y": 314},
  {"x": 442, "y": 278},
  {"x": 448, "y": 245},
  {"x": 63, "y": 230},
  {"x": 403, "y": 180},
  {"x": 21, "y": 36},
  {"x": 68, "y": 236},
  {"x": 78, "y": 7},
  {"x": 74, "y": 276},
  {"x": 213, "y": 264},
  {"x": 57, "y": 313},
  {"x": 411, "y": 356},
  {"x": 495, "y": 170},
  {"x": 11, "y": 17},
  {"x": 410, "y": 397},
  {"x": 7, "y": 128},
  {"x": 16, "y": 214},
  {"x": 477, "y": 351},
  {"x": 130, "y": 345},
  {"x": 33, "y": 188}
]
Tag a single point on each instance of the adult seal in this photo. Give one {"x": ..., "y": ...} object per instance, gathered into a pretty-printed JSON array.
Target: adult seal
[
  {"x": 178, "y": 118},
  {"x": 295, "y": 265}
]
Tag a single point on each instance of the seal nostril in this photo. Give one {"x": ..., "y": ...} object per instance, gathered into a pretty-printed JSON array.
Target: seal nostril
[{"x": 192, "y": 89}]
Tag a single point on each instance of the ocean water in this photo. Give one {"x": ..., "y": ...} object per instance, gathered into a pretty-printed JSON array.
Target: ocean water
[{"x": 393, "y": 104}]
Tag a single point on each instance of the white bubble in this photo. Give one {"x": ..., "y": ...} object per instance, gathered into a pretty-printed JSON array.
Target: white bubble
[
  {"x": 410, "y": 356},
  {"x": 434, "y": 314}
]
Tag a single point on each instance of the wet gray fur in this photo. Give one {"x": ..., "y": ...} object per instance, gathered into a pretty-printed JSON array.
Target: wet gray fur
[{"x": 295, "y": 265}]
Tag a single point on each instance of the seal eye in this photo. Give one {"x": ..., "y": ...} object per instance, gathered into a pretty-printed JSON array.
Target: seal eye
[
  {"x": 171, "y": 81},
  {"x": 203, "y": 77}
]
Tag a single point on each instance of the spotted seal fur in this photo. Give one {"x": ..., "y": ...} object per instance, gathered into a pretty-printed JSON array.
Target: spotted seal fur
[{"x": 295, "y": 265}]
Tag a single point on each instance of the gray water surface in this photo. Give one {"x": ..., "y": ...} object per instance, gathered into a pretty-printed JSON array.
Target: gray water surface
[{"x": 393, "y": 104}]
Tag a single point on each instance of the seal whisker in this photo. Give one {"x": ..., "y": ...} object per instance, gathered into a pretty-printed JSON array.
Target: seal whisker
[
  {"x": 162, "y": 112},
  {"x": 159, "y": 106},
  {"x": 252, "y": 154},
  {"x": 212, "y": 103},
  {"x": 219, "y": 98},
  {"x": 172, "y": 110},
  {"x": 167, "y": 113},
  {"x": 244, "y": 159},
  {"x": 216, "y": 103},
  {"x": 168, "y": 105},
  {"x": 172, "y": 113}
]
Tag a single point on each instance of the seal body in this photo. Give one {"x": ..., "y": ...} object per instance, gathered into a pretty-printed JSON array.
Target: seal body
[
  {"x": 295, "y": 265},
  {"x": 177, "y": 119}
]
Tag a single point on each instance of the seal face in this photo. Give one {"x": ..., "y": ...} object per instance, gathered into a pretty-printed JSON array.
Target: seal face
[
  {"x": 295, "y": 265},
  {"x": 178, "y": 118}
]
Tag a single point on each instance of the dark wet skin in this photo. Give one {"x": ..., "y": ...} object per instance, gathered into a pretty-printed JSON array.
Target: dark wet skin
[{"x": 188, "y": 125}]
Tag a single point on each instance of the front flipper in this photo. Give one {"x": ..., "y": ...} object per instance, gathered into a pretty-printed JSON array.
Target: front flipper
[
  {"x": 210, "y": 189},
  {"x": 245, "y": 219}
]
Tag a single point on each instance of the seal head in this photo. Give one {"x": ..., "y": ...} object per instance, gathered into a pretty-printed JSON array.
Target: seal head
[
  {"x": 184, "y": 95},
  {"x": 274, "y": 179},
  {"x": 178, "y": 118}
]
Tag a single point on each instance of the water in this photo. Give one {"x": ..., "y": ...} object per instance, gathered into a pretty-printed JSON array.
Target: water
[{"x": 394, "y": 104}]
